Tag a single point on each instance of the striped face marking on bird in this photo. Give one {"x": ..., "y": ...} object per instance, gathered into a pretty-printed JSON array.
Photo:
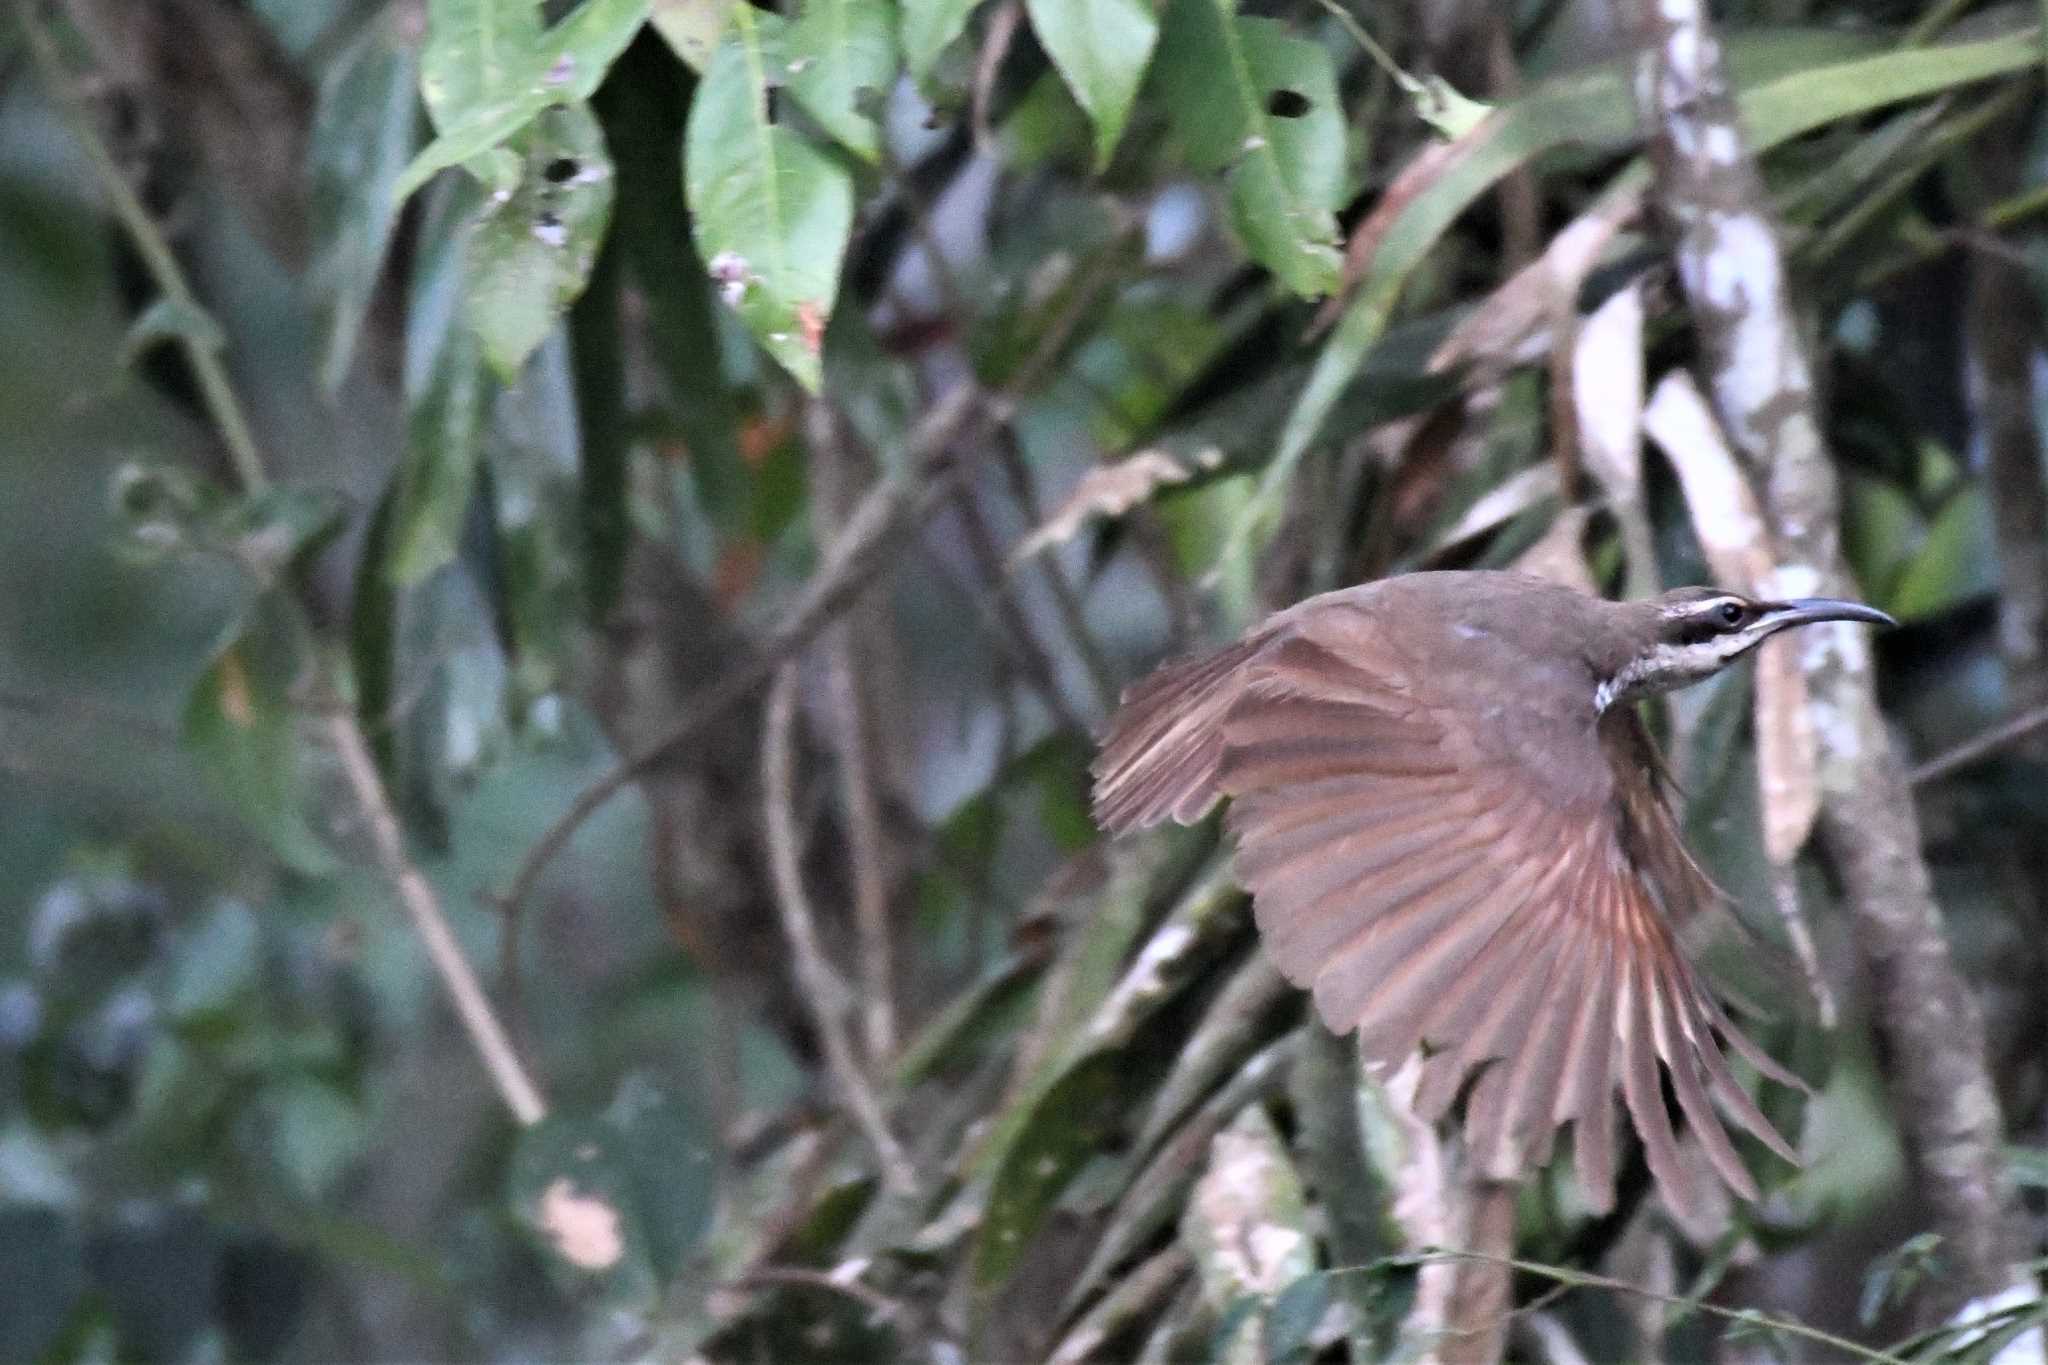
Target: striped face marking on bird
[{"x": 1700, "y": 633}]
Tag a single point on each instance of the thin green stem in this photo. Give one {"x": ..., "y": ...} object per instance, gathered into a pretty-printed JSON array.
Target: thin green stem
[
  {"x": 215, "y": 390},
  {"x": 1579, "y": 1279}
]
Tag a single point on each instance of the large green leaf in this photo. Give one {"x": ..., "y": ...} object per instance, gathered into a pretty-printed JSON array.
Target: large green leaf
[
  {"x": 362, "y": 135},
  {"x": 842, "y": 59},
  {"x": 488, "y": 71},
  {"x": 772, "y": 213},
  {"x": 531, "y": 253},
  {"x": 1274, "y": 125},
  {"x": 445, "y": 391},
  {"x": 1101, "y": 48},
  {"x": 691, "y": 27}
]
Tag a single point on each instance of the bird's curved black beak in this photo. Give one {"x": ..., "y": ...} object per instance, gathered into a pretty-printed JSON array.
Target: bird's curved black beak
[{"x": 1804, "y": 611}]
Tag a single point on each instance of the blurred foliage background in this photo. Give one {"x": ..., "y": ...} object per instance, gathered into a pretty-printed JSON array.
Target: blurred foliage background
[{"x": 415, "y": 411}]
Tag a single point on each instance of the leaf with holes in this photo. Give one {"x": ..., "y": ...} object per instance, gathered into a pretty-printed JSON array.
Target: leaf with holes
[
  {"x": 487, "y": 71},
  {"x": 530, "y": 255},
  {"x": 842, "y": 60},
  {"x": 771, "y": 212},
  {"x": 1275, "y": 127},
  {"x": 1101, "y": 48}
]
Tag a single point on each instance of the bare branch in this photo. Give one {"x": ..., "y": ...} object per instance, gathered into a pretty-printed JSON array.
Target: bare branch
[
  {"x": 823, "y": 991},
  {"x": 472, "y": 1007},
  {"x": 886, "y": 516},
  {"x": 1981, "y": 746},
  {"x": 225, "y": 410},
  {"x": 1732, "y": 269}
]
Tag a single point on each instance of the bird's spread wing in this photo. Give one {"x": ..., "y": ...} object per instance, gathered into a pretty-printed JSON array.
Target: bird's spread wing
[{"x": 1494, "y": 899}]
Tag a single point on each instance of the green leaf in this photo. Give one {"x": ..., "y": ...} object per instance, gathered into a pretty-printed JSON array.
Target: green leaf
[
  {"x": 928, "y": 28},
  {"x": 691, "y": 27},
  {"x": 169, "y": 319},
  {"x": 1589, "y": 108},
  {"x": 772, "y": 213},
  {"x": 363, "y": 130},
  {"x": 1958, "y": 560},
  {"x": 216, "y": 961},
  {"x": 445, "y": 389},
  {"x": 239, "y": 721},
  {"x": 842, "y": 60},
  {"x": 316, "y": 1133},
  {"x": 487, "y": 73},
  {"x": 598, "y": 367},
  {"x": 1101, "y": 48},
  {"x": 1067, "y": 1125},
  {"x": 645, "y": 126},
  {"x": 475, "y": 51},
  {"x": 571, "y": 1183},
  {"x": 1274, "y": 125},
  {"x": 530, "y": 255}
]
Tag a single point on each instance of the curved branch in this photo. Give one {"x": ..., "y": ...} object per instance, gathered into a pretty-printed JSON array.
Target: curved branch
[{"x": 1732, "y": 268}]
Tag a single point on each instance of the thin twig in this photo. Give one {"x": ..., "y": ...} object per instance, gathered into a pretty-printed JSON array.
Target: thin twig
[
  {"x": 824, "y": 993},
  {"x": 1024, "y": 492},
  {"x": 217, "y": 392},
  {"x": 1030, "y": 654},
  {"x": 1579, "y": 1279},
  {"x": 1981, "y": 746},
  {"x": 886, "y": 514},
  {"x": 492, "y": 1043},
  {"x": 849, "y": 691}
]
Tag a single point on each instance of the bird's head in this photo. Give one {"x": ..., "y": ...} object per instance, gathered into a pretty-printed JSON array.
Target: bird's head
[{"x": 1690, "y": 634}]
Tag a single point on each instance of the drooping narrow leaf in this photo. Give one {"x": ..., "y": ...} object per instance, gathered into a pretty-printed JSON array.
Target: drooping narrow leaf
[
  {"x": 530, "y": 255},
  {"x": 597, "y": 364},
  {"x": 1592, "y": 107},
  {"x": 644, "y": 124},
  {"x": 1101, "y": 48},
  {"x": 1250, "y": 99},
  {"x": 772, "y": 213},
  {"x": 842, "y": 60},
  {"x": 927, "y": 27},
  {"x": 445, "y": 389},
  {"x": 487, "y": 72}
]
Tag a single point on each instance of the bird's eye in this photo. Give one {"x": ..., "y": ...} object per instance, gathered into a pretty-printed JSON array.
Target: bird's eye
[{"x": 1732, "y": 614}]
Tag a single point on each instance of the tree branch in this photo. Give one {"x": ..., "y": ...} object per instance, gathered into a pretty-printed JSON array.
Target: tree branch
[
  {"x": 1733, "y": 273},
  {"x": 886, "y": 515},
  {"x": 824, "y": 993}
]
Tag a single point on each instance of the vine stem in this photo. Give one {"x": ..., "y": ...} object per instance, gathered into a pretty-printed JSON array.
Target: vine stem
[{"x": 201, "y": 348}]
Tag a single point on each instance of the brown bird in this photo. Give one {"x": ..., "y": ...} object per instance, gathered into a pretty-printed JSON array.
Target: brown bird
[{"x": 1456, "y": 832}]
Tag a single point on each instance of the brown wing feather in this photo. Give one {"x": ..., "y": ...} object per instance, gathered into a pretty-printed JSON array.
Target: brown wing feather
[
  {"x": 1433, "y": 884},
  {"x": 1160, "y": 756}
]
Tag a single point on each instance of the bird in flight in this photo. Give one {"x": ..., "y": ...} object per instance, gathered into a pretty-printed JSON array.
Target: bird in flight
[{"x": 1456, "y": 833}]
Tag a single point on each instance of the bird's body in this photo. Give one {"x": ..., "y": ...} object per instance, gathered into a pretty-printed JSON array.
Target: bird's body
[{"x": 1455, "y": 832}]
